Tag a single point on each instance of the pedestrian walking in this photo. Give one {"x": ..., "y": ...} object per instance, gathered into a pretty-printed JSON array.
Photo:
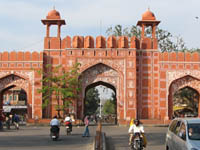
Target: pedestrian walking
[
  {"x": 2, "y": 119},
  {"x": 86, "y": 131},
  {"x": 8, "y": 121},
  {"x": 16, "y": 121}
]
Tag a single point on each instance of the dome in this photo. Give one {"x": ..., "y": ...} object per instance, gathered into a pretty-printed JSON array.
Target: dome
[
  {"x": 148, "y": 15},
  {"x": 53, "y": 14}
]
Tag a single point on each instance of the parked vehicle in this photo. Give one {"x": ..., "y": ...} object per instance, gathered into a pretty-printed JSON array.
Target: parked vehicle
[
  {"x": 183, "y": 134},
  {"x": 54, "y": 133},
  {"x": 136, "y": 143}
]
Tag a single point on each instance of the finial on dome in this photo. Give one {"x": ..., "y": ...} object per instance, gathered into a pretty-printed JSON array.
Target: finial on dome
[
  {"x": 54, "y": 7},
  {"x": 148, "y": 15}
]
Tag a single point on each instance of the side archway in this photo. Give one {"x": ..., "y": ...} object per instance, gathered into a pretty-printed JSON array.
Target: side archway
[
  {"x": 10, "y": 81},
  {"x": 176, "y": 85}
]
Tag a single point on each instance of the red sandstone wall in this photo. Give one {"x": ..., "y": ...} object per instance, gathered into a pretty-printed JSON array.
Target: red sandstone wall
[
  {"x": 16, "y": 62},
  {"x": 174, "y": 61},
  {"x": 147, "y": 84},
  {"x": 69, "y": 56}
]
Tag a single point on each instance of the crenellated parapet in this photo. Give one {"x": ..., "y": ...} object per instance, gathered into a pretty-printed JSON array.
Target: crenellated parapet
[
  {"x": 89, "y": 42},
  {"x": 179, "y": 57},
  {"x": 21, "y": 59}
]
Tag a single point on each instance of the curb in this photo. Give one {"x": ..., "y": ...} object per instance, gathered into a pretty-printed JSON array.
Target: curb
[
  {"x": 103, "y": 134},
  {"x": 103, "y": 143}
]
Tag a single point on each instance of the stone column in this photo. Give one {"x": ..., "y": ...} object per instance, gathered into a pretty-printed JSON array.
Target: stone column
[
  {"x": 59, "y": 26},
  {"x": 154, "y": 31},
  {"x": 47, "y": 31}
]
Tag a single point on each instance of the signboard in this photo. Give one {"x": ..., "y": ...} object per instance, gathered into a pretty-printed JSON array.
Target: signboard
[{"x": 8, "y": 108}]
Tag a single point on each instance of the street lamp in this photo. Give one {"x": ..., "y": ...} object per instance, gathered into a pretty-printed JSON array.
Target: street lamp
[{"x": 100, "y": 103}]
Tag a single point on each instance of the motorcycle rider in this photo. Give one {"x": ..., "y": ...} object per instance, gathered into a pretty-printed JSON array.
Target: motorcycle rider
[
  {"x": 137, "y": 127},
  {"x": 55, "y": 124},
  {"x": 68, "y": 121}
]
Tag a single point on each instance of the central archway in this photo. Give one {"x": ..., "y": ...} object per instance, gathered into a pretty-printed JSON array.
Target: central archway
[
  {"x": 101, "y": 105},
  {"x": 99, "y": 74}
]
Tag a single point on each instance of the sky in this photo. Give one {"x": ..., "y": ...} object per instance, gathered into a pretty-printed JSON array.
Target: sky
[{"x": 21, "y": 28}]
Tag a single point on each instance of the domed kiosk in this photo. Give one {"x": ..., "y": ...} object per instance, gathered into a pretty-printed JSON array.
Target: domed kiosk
[
  {"x": 53, "y": 18},
  {"x": 148, "y": 19}
]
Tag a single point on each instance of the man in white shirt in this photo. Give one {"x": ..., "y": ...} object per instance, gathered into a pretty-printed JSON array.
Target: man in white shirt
[
  {"x": 137, "y": 127},
  {"x": 68, "y": 121},
  {"x": 55, "y": 123}
]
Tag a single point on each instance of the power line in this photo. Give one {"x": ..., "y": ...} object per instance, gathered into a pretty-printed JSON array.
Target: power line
[{"x": 32, "y": 44}]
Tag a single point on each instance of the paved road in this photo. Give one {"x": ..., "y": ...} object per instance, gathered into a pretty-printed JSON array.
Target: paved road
[
  {"x": 31, "y": 138},
  {"x": 37, "y": 138},
  {"x": 117, "y": 137}
]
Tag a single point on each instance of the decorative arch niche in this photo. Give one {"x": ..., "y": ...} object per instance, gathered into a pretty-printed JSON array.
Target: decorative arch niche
[{"x": 99, "y": 73}]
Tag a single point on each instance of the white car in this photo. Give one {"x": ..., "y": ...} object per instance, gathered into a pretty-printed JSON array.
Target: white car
[{"x": 183, "y": 134}]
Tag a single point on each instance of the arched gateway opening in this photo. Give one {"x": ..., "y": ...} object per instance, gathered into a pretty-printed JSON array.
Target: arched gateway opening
[
  {"x": 15, "y": 101},
  {"x": 184, "y": 97},
  {"x": 14, "y": 96},
  {"x": 99, "y": 74},
  {"x": 101, "y": 104},
  {"x": 185, "y": 102}
]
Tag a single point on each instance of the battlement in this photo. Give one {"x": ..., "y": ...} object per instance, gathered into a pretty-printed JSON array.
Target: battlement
[
  {"x": 21, "y": 56},
  {"x": 179, "y": 56},
  {"x": 90, "y": 42}
]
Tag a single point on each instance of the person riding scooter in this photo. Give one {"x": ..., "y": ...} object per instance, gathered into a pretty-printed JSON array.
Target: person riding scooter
[
  {"x": 68, "y": 123},
  {"x": 55, "y": 128},
  {"x": 137, "y": 127}
]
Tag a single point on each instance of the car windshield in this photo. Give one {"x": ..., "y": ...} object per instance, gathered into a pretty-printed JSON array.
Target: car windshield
[{"x": 194, "y": 131}]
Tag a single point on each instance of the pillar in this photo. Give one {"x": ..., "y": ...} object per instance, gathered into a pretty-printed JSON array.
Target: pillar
[{"x": 47, "y": 31}]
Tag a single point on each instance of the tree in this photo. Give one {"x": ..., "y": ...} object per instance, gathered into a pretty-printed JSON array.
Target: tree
[
  {"x": 65, "y": 85},
  {"x": 166, "y": 41},
  {"x": 109, "y": 107},
  {"x": 92, "y": 101}
]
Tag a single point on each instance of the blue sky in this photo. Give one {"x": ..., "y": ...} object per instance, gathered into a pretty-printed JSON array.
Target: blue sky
[{"x": 21, "y": 28}]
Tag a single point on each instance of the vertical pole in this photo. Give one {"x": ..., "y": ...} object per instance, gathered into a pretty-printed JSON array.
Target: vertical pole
[
  {"x": 199, "y": 107},
  {"x": 143, "y": 27},
  {"x": 47, "y": 32},
  {"x": 100, "y": 108},
  {"x": 59, "y": 25}
]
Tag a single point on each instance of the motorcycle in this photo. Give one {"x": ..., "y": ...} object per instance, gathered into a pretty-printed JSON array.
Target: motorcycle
[
  {"x": 54, "y": 133},
  {"x": 68, "y": 127},
  {"x": 137, "y": 142}
]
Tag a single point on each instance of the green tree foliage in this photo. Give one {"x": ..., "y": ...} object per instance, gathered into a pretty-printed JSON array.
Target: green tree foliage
[
  {"x": 166, "y": 41},
  {"x": 92, "y": 101},
  {"x": 65, "y": 85},
  {"x": 187, "y": 97},
  {"x": 109, "y": 107}
]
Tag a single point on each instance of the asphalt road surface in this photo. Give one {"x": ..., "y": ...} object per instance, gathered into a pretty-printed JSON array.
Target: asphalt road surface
[
  {"x": 117, "y": 138},
  {"x": 37, "y": 138}
]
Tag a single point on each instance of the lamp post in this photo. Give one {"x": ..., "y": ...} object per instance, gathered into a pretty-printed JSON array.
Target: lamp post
[
  {"x": 100, "y": 108},
  {"x": 100, "y": 103}
]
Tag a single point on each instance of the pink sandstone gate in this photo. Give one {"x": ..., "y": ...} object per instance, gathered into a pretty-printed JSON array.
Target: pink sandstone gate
[{"x": 144, "y": 78}]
